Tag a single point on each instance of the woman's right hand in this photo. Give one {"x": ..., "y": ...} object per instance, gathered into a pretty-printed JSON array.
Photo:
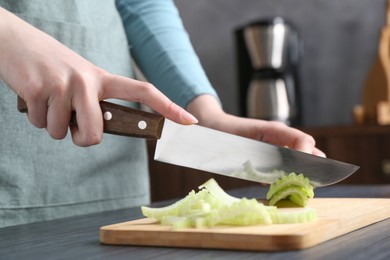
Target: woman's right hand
[{"x": 54, "y": 81}]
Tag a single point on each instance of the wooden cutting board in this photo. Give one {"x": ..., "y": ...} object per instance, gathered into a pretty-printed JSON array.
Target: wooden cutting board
[{"x": 336, "y": 217}]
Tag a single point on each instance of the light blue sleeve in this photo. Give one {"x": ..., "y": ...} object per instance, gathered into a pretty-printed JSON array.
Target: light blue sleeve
[{"x": 162, "y": 49}]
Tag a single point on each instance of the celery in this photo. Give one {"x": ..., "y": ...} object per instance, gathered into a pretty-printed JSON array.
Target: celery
[
  {"x": 296, "y": 192},
  {"x": 249, "y": 172},
  {"x": 212, "y": 206},
  {"x": 293, "y": 216},
  {"x": 242, "y": 213},
  {"x": 294, "y": 187},
  {"x": 193, "y": 203},
  {"x": 213, "y": 188}
]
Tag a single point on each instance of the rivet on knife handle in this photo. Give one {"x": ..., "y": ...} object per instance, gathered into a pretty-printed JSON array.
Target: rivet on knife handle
[{"x": 122, "y": 120}]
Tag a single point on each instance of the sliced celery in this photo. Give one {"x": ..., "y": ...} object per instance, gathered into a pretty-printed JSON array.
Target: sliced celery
[
  {"x": 296, "y": 191},
  {"x": 249, "y": 172},
  {"x": 294, "y": 187},
  {"x": 212, "y": 186},
  {"x": 241, "y": 213},
  {"x": 176, "y": 222},
  {"x": 193, "y": 203},
  {"x": 290, "y": 180},
  {"x": 299, "y": 215},
  {"x": 212, "y": 206}
]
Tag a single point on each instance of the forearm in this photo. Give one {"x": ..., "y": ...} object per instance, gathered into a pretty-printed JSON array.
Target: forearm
[
  {"x": 161, "y": 47},
  {"x": 8, "y": 40},
  {"x": 56, "y": 81}
]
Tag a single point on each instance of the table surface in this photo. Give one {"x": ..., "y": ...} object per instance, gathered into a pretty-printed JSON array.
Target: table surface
[{"x": 78, "y": 237}]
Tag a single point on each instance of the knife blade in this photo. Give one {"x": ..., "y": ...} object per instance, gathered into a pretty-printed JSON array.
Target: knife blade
[{"x": 217, "y": 152}]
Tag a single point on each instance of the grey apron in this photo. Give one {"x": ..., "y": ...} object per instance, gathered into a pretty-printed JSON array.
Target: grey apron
[{"x": 41, "y": 178}]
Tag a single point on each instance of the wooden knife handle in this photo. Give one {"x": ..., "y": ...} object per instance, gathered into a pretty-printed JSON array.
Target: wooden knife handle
[{"x": 121, "y": 120}]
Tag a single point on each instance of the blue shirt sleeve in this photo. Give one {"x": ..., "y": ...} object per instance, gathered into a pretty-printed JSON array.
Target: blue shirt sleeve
[{"x": 162, "y": 49}]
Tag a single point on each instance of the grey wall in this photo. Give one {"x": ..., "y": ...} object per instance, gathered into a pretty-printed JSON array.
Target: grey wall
[{"x": 340, "y": 42}]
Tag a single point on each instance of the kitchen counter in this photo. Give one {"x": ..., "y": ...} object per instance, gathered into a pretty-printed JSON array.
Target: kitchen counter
[{"x": 78, "y": 237}]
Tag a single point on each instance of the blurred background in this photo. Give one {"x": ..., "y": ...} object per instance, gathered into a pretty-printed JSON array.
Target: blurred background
[{"x": 340, "y": 40}]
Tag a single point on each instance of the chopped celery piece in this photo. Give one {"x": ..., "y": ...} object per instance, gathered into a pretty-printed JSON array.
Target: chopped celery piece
[
  {"x": 289, "y": 180},
  {"x": 176, "y": 222},
  {"x": 241, "y": 213},
  {"x": 193, "y": 203},
  {"x": 294, "y": 187},
  {"x": 249, "y": 172},
  {"x": 296, "y": 191},
  {"x": 298, "y": 199},
  {"x": 212, "y": 186},
  {"x": 293, "y": 216},
  {"x": 212, "y": 206}
]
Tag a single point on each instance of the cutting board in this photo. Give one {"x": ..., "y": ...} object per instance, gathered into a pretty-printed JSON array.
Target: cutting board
[{"x": 336, "y": 217}]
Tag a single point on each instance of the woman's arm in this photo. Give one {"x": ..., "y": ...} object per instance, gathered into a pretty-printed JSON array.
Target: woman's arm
[
  {"x": 54, "y": 81},
  {"x": 162, "y": 49}
]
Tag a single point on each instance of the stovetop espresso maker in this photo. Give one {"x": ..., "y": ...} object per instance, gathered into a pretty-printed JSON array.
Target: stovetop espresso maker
[{"x": 268, "y": 53}]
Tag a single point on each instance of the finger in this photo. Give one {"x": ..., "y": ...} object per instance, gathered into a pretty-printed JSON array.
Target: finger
[
  {"x": 58, "y": 117},
  {"x": 303, "y": 142},
  {"x": 300, "y": 141},
  {"x": 283, "y": 135},
  {"x": 318, "y": 152},
  {"x": 306, "y": 143},
  {"x": 37, "y": 113},
  {"x": 145, "y": 93},
  {"x": 89, "y": 129}
]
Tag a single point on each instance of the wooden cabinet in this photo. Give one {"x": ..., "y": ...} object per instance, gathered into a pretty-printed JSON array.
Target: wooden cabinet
[{"x": 366, "y": 146}]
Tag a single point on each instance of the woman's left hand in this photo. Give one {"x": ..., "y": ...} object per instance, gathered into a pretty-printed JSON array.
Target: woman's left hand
[{"x": 210, "y": 114}]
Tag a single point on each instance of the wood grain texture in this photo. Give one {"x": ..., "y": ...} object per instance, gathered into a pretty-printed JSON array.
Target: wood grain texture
[{"x": 336, "y": 217}]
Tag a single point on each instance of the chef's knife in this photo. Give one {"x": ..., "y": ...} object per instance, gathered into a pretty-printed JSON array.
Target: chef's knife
[{"x": 217, "y": 152}]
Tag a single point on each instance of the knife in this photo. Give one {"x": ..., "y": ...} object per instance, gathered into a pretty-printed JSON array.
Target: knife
[{"x": 217, "y": 152}]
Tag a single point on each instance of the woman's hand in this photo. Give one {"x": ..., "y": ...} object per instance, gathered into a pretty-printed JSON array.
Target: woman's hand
[
  {"x": 54, "y": 81},
  {"x": 210, "y": 114}
]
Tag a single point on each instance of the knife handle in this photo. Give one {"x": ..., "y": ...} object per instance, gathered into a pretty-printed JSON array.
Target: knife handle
[{"x": 121, "y": 120}]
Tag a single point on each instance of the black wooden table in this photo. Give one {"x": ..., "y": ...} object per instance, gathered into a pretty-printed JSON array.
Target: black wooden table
[{"x": 78, "y": 237}]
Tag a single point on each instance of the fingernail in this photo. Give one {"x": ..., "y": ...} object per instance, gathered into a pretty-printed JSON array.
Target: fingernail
[{"x": 189, "y": 118}]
